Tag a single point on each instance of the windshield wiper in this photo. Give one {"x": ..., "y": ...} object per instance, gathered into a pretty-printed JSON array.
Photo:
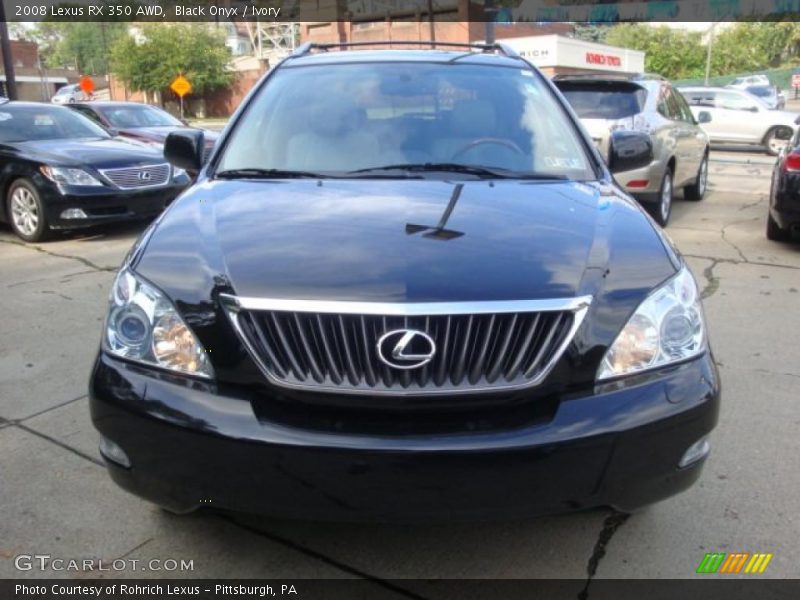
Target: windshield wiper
[
  {"x": 477, "y": 170},
  {"x": 255, "y": 173}
]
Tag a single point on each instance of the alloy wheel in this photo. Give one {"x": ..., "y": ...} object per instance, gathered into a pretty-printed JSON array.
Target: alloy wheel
[
  {"x": 666, "y": 198},
  {"x": 24, "y": 211}
]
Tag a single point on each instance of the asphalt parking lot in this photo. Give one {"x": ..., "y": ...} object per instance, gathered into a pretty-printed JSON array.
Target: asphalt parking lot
[{"x": 56, "y": 499}]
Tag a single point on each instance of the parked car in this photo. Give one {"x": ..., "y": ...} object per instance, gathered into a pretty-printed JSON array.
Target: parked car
[
  {"x": 420, "y": 294},
  {"x": 749, "y": 80},
  {"x": 141, "y": 122},
  {"x": 69, "y": 94},
  {"x": 649, "y": 104},
  {"x": 737, "y": 117},
  {"x": 58, "y": 170},
  {"x": 769, "y": 95},
  {"x": 783, "y": 218}
]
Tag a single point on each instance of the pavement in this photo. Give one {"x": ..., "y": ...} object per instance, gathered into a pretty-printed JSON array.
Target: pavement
[{"x": 56, "y": 499}]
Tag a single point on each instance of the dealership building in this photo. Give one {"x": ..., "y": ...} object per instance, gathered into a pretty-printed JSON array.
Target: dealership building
[{"x": 559, "y": 55}]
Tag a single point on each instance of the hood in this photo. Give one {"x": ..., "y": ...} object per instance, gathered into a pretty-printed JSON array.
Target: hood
[
  {"x": 159, "y": 134},
  {"x": 98, "y": 154},
  {"x": 402, "y": 241}
]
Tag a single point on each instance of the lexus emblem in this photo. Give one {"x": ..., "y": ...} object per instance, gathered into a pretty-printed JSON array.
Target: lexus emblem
[
  {"x": 144, "y": 175},
  {"x": 406, "y": 348}
]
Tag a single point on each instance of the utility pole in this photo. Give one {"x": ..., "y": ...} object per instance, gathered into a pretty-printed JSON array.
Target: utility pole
[
  {"x": 708, "y": 51},
  {"x": 8, "y": 63},
  {"x": 431, "y": 24},
  {"x": 489, "y": 15}
]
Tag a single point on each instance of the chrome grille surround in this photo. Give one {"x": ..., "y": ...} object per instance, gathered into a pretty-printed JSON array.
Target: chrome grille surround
[
  {"x": 133, "y": 178},
  {"x": 330, "y": 346}
]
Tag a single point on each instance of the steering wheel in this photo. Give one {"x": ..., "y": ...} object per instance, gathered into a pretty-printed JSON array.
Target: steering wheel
[{"x": 489, "y": 140}]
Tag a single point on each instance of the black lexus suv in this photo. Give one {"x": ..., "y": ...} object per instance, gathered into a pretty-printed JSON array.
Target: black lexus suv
[{"x": 404, "y": 286}]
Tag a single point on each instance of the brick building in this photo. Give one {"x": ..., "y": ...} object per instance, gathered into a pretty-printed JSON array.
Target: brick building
[{"x": 33, "y": 82}]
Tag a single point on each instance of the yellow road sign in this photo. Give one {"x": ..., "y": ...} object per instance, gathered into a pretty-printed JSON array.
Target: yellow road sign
[{"x": 181, "y": 86}]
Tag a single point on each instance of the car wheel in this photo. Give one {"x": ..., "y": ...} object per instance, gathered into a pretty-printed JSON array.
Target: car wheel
[
  {"x": 774, "y": 231},
  {"x": 662, "y": 209},
  {"x": 697, "y": 190},
  {"x": 26, "y": 212},
  {"x": 772, "y": 143}
]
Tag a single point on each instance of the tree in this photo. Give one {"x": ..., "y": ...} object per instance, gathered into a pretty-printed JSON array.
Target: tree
[
  {"x": 672, "y": 53},
  {"x": 747, "y": 47},
  {"x": 84, "y": 46},
  {"x": 151, "y": 59}
]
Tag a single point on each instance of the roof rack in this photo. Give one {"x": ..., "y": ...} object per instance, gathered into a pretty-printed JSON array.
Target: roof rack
[{"x": 497, "y": 48}]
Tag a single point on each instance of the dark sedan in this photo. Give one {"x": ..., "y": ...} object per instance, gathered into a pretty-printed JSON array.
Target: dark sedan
[
  {"x": 58, "y": 170},
  {"x": 783, "y": 219},
  {"x": 136, "y": 121}
]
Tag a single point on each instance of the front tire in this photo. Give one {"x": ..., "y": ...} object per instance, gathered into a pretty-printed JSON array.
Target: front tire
[
  {"x": 697, "y": 190},
  {"x": 662, "y": 209},
  {"x": 774, "y": 231},
  {"x": 26, "y": 212}
]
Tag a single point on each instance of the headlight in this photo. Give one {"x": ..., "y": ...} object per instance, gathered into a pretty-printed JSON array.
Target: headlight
[
  {"x": 66, "y": 176},
  {"x": 143, "y": 325},
  {"x": 667, "y": 327}
]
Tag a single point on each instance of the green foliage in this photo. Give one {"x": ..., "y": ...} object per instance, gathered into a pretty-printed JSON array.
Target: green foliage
[
  {"x": 740, "y": 48},
  {"x": 150, "y": 60},
  {"x": 84, "y": 46},
  {"x": 672, "y": 53},
  {"x": 752, "y": 46}
]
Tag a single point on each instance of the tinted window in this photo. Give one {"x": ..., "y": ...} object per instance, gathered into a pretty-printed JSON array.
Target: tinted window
[
  {"x": 699, "y": 97},
  {"x": 26, "y": 123},
  {"x": 604, "y": 102},
  {"x": 373, "y": 115},
  {"x": 87, "y": 112},
  {"x": 734, "y": 101},
  {"x": 686, "y": 112},
  {"x": 762, "y": 91},
  {"x": 138, "y": 116}
]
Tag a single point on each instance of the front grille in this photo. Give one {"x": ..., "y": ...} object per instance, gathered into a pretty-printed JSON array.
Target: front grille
[
  {"x": 138, "y": 177},
  {"x": 338, "y": 350}
]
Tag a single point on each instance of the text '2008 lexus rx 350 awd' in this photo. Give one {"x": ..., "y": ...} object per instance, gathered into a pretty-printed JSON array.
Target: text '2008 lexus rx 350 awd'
[{"x": 404, "y": 286}]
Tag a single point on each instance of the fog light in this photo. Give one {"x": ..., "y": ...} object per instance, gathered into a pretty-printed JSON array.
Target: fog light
[
  {"x": 695, "y": 452},
  {"x": 74, "y": 213},
  {"x": 113, "y": 452}
]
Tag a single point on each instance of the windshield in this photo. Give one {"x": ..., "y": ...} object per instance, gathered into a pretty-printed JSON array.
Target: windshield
[
  {"x": 390, "y": 114},
  {"x": 43, "y": 122},
  {"x": 123, "y": 117},
  {"x": 66, "y": 90}
]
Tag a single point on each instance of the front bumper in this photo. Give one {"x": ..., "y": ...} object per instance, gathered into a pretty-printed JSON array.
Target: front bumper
[
  {"x": 103, "y": 204},
  {"x": 191, "y": 446}
]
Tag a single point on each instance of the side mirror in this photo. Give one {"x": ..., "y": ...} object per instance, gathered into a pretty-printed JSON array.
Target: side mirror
[
  {"x": 629, "y": 150},
  {"x": 704, "y": 117},
  {"x": 752, "y": 108},
  {"x": 184, "y": 149}
]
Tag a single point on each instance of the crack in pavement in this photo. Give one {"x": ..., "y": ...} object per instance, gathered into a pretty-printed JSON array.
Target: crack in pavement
[
  {"x": 610, "y": 525},
  {"x": 47, "y": 410},
  {"x": 80, "y": 259},
  {"x": 712, "y": 284},
  {"x": 322, "y": 557},
  {"x": 729, "y": 242},
  {"x": 59, "y": 443},
  {"x": 763, "y": 371},
  {"x": 733, "y": 261}
]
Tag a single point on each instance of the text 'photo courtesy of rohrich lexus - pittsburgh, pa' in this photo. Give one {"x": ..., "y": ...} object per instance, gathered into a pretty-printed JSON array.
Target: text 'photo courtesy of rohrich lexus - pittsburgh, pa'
[{"x": 419, "y": 295}]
